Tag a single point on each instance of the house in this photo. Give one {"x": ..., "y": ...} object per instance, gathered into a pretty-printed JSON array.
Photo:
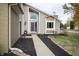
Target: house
[
  {"x": 9, "y": 25},
  {"x": 39, "y": 22},
  {"x": 15, "y": 18}
]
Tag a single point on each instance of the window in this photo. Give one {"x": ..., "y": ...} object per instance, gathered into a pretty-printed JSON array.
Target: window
[
  {"x": 33, "y": 16},
  {"x": 32, "y": 26},
  {"x": 49, "y": 24}
]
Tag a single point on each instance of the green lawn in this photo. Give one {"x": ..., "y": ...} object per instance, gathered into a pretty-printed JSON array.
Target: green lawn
[{"x": 69, "y": 42}]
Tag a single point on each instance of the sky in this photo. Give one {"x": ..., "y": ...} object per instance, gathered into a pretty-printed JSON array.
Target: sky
[{"x": 53, "y": 7}]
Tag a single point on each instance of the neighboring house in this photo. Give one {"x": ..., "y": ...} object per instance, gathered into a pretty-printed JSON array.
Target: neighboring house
[
  {"x": 9, "y": 25},
  {"x": 15, "y": 18},
  {"x": 39, "y": 22}
]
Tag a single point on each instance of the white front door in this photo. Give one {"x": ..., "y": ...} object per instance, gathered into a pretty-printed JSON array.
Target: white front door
[{"x": 33, "y": 27}]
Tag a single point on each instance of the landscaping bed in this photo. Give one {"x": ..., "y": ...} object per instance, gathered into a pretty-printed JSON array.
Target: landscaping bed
[{"x": 26, "y": 45}]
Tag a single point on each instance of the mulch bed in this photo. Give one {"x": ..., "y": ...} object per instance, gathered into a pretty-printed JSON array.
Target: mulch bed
[{"x": 26, "y": 45}]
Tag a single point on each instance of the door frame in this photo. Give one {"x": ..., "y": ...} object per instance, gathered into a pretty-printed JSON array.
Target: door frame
[
  {"x": 34, "y": 27},
  {"x": 29, "y": 31}
]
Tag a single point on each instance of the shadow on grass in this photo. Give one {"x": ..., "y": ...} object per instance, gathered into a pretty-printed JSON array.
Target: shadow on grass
[{"x": 53, "y": 47}]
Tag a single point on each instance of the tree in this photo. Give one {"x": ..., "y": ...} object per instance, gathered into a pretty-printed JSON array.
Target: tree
[
  {"x": 65, "y": 26},
  {"x": 61, "y": 25},
  {"x": 74, "y": 9},
  {"x": 71, "y": 24}
]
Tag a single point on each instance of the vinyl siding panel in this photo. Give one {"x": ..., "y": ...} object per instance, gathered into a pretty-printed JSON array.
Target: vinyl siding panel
[
  {"x": 57, "y": 26},
  {"x": 3, "y": 28},
  {"x": 26, "y": 11},
  {"x": 42, "y": 23},
  {"x": 14, "y": 27}
]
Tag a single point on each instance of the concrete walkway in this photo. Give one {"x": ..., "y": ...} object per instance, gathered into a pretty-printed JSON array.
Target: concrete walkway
[{"x": 41, "y": 48}]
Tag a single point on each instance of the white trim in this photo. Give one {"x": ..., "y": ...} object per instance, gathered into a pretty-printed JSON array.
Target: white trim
[
  {"x": 39, "y": 23},
  {"x": 49, "y": 28},
  {"x": 45, "y": 25},
  {"x": 9, "y": 26},
  {"x": 22, "y": 20},
  {"x": 19, "y": 26},
  {"x": 54, "y": 24},
  {"x": 28, "y": 21},
  {"x": 34, "y": 27}
]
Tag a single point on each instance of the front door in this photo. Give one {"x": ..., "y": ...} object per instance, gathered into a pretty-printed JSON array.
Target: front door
[{"x": 33, "y": 26}]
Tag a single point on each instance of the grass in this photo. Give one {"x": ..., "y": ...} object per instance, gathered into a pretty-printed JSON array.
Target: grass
[{"x": 69, "y": 42}]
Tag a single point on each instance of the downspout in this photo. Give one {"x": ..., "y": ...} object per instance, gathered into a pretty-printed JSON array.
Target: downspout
[{"x": 10, "y": 48}]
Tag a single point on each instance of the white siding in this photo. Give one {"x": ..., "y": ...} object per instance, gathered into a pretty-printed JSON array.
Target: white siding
[
  {"x": 26, "y": 18},
  {"x": 57, "y": 26},
  {"x": 42, "y": 23},
  {"x": 41, "y": 29},
  {"x": 21, "y": 18}
]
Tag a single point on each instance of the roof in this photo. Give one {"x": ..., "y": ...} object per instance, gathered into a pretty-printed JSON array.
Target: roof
[
  {"x": 36, "y": 9},
  {"x": 40, "y": 11},
  {"x": 55, "y": 18},
  {"x": 17, "y": 7}
]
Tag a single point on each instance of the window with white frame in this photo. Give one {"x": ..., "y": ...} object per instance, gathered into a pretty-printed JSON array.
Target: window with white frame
[
  {"x": 50, "y": 24},
  {"x": 34, "y": 16}
]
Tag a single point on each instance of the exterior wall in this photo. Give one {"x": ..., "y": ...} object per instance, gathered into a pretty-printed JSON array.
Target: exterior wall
[
  {"x": 26, "y": 17},
  {"x": 57, "y": 26},
  {"x": 41, "y": 24},
  {"x": 21, "y": 19},
  {"x": 14, "y": 27},
  {"x": 3, "y": 28}
]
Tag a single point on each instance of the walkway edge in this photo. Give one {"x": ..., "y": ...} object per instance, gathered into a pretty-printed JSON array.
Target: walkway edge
[{"x": 41, "y": 48}]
